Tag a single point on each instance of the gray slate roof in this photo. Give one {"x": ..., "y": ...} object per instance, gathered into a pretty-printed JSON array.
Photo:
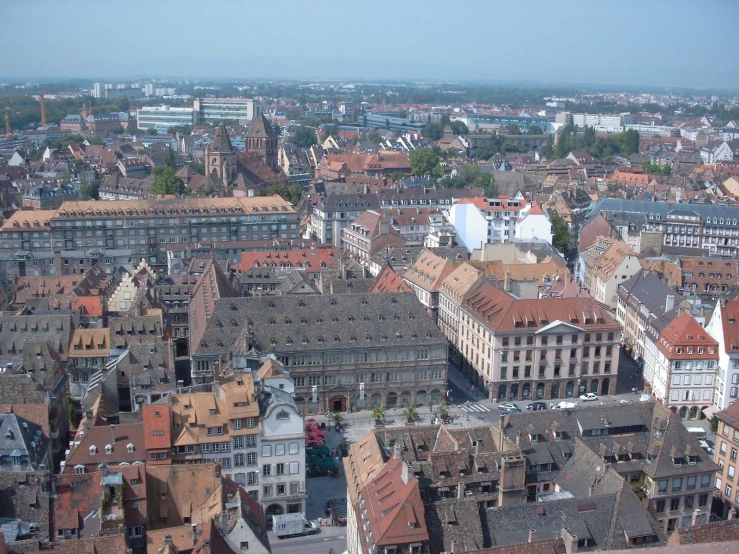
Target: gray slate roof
[
  {"x": 663, "y": 209},
  {"x": 290, "y": 323},
  {"x": 23, "y": 440}
]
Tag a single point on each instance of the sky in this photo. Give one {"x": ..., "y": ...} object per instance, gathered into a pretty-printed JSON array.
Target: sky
[{"x": 675, "y": 43}]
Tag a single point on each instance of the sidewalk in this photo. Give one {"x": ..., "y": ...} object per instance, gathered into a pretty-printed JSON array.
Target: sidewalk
[{"x": 461, "y": 382}]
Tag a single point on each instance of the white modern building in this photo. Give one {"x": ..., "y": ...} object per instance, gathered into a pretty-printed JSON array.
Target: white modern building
[
  {"x": 724, "y": 328},
  {"x": 479, "y": 221},
  {"x": 162, "y": 118},
  {"x": 216, "y": 110}
]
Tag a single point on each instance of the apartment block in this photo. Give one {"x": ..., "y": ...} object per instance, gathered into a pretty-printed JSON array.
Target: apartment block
[
  {"x": 537, "y": 349},
  {"x": 78, "y": 235},
  {"x": 725, "y": 455}
]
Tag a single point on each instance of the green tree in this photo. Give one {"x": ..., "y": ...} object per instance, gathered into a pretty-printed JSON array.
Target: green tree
[
  {"x": 375, "y": 137},
  {"x": 433, "y": 131},
  {"x": 304, "y": 137},
  {"x": 397, "y": 176},
  {"x": 151, "y": 131},
  {"x": 459, "y": 128},
  {"x": 170, "y": 158},
  {"x": 561, "y": 238},
  {"x": 410, "y": 413},
  {"x": 534, "y": 130},
  {"x": 289, "y": 193},
  {"x": 198, "y": 167},
  {"x": 166, "y": 181},
  {"x": 330, "y": 130},
  {"x": 514, "y": 129},
  {"x": 425, "y": 162},
  {"x": 90, "y": 190}
]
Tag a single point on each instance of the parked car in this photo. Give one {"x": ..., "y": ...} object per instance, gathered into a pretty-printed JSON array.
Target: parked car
[
  {"x": 535, "y": 406},
  {"x": 510, "y": 411},
  {"x": 588, "y": 397},
  {"x": 566, "y": 404},
  {"x": 508, "y": 406}
]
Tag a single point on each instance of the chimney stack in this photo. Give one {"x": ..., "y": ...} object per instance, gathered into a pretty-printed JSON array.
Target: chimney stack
[
  {"x": 396, "y": 451},
  {"x": 112, "y": 434},
  {"x": 460, "y": 491},
  {"x": 570, "y": 540},
  {"x": 694, "y": 516},
  {"x": 507, "y": 281},
  {"x": 532, "y": 535}
]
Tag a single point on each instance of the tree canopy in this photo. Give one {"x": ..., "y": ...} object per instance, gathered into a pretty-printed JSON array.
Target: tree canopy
[
  {"x": 425, "y": 162},
  {"x": 289, "y": 193},
  {"x": 656, "y": 169},
  {"x": 561, "y": 234},
  {"x": 604, "y": 148},
  {"x": 534, "y": 130},
  {"x": 433, "y": 131},
  {"x": 304, "y": 137},
  {"x": 166, "y": 181}
]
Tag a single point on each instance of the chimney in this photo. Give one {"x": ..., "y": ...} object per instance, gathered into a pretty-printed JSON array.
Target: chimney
[
  {"x": 694, "y": 516},
  {"x": 532, "y": 535},
  {"x": 404, "y": 472},
  {"x": 591, "y": 489},
  {"x": 112, "y": 434},
  {"x": 168, "y": 540},
  {"x": 518, "y": 439},
  {"x": 396, "y": 451},
  {"x": 570, "y": 540},
  {"x": 384, "y": 226},
  {"x": 454, "y": 545},
  {"x": 224, "y": 523},
  {"x": 669, "y": 302},
  {"x": 477, "y": 447},
  {"x": 507, "y": 282},
  {"x": 194, "y": 534},
  {"x": 460, "y": 491}
]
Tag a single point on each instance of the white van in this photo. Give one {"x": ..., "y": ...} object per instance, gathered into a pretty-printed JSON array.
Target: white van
[{"x": 697, "y": 432}]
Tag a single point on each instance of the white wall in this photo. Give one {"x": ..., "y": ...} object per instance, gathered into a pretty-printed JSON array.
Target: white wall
[
  {"x": 470, "y": 225},
  {"x": 534, "y": 226}
]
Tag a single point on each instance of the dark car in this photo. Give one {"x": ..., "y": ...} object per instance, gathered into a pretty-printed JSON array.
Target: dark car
[
  {"x": 510, "y": 411},
  {"x": 534, "y": 406}
]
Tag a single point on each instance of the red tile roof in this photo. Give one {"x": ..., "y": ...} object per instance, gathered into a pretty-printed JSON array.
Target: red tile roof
[
  {"x": 503, "y": 313},
  {"x": 90, "y": 305},
  {"x": 389, "y": 281},
  {"x": 157, "y": 420},
  {"x": 395, "y": 511},
  {"x": 686, "y": 334},
  {"x": 309, "y": 258}
]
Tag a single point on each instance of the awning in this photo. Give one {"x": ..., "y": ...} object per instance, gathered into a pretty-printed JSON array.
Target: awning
[{"x": 710, "y": 411}]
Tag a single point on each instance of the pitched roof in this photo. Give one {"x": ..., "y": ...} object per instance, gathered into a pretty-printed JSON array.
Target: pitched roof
[
  {"x": 686, "y": 333},
  {"x": 221, "y": 142},
  {"x": 101, "y": 435},
  {"x": 261, "y": 128},
  {"x": 157, "y": 426},
  {"x": 389, "y": 281},
  {"x": 428, "y": 271},
  {"x": 503, "y": 313},
  {"x": 610, "y": 260},
  {"x": 308, "y": 258}
]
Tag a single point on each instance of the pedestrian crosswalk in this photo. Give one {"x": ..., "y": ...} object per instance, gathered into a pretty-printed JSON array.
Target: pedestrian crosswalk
[{"x": 476, "y": 407}]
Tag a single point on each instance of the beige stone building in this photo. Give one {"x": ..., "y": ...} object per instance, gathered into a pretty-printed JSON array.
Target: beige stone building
[{"x": 537, "y": 349}]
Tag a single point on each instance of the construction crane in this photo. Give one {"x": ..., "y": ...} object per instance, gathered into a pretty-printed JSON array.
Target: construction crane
[
  {"x": 7, "y": 120},
  {"x": 43, "y": 111}
]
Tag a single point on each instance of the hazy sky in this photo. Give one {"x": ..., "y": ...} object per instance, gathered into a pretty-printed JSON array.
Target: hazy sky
[{"x": 692, "y": 43}]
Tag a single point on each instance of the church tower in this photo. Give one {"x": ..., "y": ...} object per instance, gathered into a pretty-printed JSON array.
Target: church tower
[
  {"x": 220, "y": 157},
  {"x": 262, "y": 140}
]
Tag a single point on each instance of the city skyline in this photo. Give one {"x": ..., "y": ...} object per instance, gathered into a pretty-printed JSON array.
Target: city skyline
[{"x": 627, "y": 43}]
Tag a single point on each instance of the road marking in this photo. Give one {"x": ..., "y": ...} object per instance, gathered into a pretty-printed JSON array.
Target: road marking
[{"x": 469, "y": 408}]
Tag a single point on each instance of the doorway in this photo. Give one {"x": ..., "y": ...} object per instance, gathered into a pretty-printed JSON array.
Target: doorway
[{"x": 337, "y": 403}]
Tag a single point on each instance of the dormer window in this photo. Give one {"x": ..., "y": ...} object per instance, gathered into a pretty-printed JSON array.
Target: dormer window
[
  {"x": 129, "y": 447},
  {"x": 108, "y": 448},
  {"x": 282, "y": 414},
  {"x": 93, "y": 450}
]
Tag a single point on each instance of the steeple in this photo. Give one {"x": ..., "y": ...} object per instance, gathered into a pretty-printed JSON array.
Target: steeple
[
  {"x": 221, "y": 143},
  {"x": 262, "y": 140}
]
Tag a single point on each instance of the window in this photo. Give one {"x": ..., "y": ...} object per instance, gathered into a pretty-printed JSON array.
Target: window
[
  {"x": 267, "y": 490},
  {"x": 280, "y": 469},
  {"x": 660, "y": 506},
  {"x": 251, "y": 478},
  {"x": 294, "y": 468},
  {"x": 294, "y": 447},
  {"x": 705, "y": 480},
  {"x": 266, "y": 450},
  {"x": 691, "y": 482},
  {"x": 237, "y": 423},
  {"x": 674, "y": 504},
  {"x": 280, "y": 489},
  {"x": 662, "y": 485},
  {"x": 702, "y": 500},
  {"x": 238, "y": 443},
  {"x": 279, "y": 450},
  {"x": 249, "y": 422},
  {"x": 733, "y": 453},
  {"x": 677, "y": 484},
  {"x": 153, "y": 457},
  {"x": 238, "y": 460},
  {"x": 251, "y": 458},
  {"x": 251, "y": 441},
  {"x": 266, "y": 470}
]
